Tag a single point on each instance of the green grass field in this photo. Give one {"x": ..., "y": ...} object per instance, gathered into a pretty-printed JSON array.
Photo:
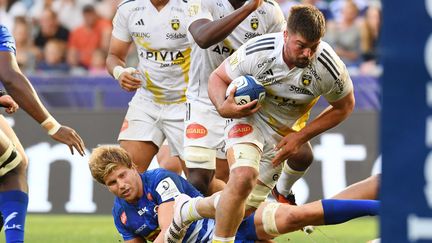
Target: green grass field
[{"x": 100, "y": 229}]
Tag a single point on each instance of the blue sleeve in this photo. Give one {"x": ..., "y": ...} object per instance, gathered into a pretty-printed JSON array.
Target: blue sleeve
[
  {"x": 120, "y": 221},
  {"x": 7, "y": 42}
]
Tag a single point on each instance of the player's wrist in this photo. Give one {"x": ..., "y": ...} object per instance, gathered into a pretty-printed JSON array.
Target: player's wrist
[
  {"x": 119, "y": 70},
  {"x": 51, "y": 125}
]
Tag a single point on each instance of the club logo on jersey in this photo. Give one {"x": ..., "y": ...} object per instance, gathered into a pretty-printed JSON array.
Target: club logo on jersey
[
  {"x": 193, "y": 9},
  {"x": 167, "y": 189},
  {"x": 254, "y": 23},
  {"x": 195, "y": 130},
  {"x": 123, "y": 218},
  {"x": 175, "y": 24},
  {"x": 275, "y": 177},
  {"x": 240, "y": 130},
  {"x": 149, "y": 196},
  {"x": 306, "y": 79}
]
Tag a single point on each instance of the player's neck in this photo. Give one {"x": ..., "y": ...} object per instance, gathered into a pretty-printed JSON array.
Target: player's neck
[
  {"x": 159, "y": 4},
  {"x": 237, "y": 3}
]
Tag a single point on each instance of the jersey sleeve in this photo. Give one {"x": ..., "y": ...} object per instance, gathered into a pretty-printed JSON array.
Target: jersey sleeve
[
  {"x": 244, "y": 60},
  {"x": 337, "y": 80},
  {"x": 118, "y": 214},
  {"x": 198, "y": 9},
  {"x": 167, "y": 186},
  {"x": 7, "y": 42},
  {"x": 277, "y": 17},
  {"x": 120, "y": 23}
]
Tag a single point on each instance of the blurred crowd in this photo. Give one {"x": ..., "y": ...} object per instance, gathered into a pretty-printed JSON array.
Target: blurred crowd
[{"x": 71, "y": 37}]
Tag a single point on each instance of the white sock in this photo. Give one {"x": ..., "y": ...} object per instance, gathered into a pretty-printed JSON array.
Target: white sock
[
  {"x": 189, "y": 212},
  {"x": 217, "y": 239},
  {"x": 287, "y": 179}
]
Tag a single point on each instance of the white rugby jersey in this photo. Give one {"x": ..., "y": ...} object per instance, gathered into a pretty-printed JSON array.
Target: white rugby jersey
[
  {"x": 290, "y": 93},
  {"x": 267, "y": 18},
  {"x": 162, "y": 46}
]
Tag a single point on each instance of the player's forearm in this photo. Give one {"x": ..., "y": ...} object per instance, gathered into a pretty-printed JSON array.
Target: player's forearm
[
  {"x": 216, "y": 90},
  {"x": 329, "y": 118},
  {"x": 210, "y": 33},
  {"x": 112, "y": 61},
  {"x": 18, "y": 86}
]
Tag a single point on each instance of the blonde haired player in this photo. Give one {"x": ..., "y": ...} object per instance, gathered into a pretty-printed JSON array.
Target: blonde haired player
[{"x": 156, "y": 112}]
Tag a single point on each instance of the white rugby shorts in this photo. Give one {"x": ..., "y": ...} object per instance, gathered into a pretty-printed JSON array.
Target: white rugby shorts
[{"x": 146, "y": 120}]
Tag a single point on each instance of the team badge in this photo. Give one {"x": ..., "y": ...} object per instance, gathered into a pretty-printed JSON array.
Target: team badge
[
  {"x": 175, "y": 24},
  {"x": 254, "y": 23},
  {"x": 306, "y": 79},
  {"x": 123, "y": 218}
]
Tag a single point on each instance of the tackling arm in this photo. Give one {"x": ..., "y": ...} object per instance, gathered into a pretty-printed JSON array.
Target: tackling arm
[{"x": 207, "y": 33}]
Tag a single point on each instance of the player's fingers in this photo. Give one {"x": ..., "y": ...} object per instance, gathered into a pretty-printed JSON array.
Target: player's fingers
[
  {"x": 71, "y": 149},
  {"x": 232, "y": 92}
]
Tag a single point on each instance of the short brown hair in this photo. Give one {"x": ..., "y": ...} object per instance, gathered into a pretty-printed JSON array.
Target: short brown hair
[
  {"x": 306, "y": 20},
  {"x": 107, "y": 158}
]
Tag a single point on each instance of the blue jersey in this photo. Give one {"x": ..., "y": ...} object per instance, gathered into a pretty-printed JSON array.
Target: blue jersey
[
  {"x": 140, "y": 220},
  {"x": 7, "y": 42}
]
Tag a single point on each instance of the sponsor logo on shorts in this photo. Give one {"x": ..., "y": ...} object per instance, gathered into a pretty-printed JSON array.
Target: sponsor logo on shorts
[
  {"x": 240, "y": 130},
  {"x": 195, "y": 130},
  {"x": 124, "y": 126},
  {"x": 123, "y": 218}
]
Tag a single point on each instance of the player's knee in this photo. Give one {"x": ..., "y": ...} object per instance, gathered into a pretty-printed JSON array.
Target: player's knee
[
  {"x": 246, "y": 155},
  {"x": 200, "y": 157},
  {"x": 243, "y": 179},
  {"x": 11, "y": 159}
]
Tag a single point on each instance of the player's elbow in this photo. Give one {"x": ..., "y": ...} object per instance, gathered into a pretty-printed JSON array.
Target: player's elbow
[{"x": 203, "y": 42}]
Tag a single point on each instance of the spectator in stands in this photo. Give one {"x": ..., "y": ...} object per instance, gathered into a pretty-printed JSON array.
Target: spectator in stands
[
  {"x": 93, "y": 34},
  {"x": 344, "y": 36},
  {"x": 9, "y": 10},
  {"x": 53, "y": 61},
  {"x": 50, "y": 28},
  {"x": 97, "y": 65},
  {"x": 27, "y": 52},
  {"x": 370, "y": 30}
]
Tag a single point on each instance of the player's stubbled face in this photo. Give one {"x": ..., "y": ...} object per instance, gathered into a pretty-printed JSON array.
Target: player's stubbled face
[
  {"x": 298, "y": 51},
  {"x": 124, "y": 183}
]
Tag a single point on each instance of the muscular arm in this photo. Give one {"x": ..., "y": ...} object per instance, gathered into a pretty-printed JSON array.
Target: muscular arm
[
  {"x": 117, "y": 54},
  {"x": 116, "y": 57},
  {"x": 165, "y": 216},
  {"x": 207, "y": 33},
  {"x": 20, "y": 88},
  {"x": 330, "y": 117},
  {"x": 22, "y": 91},
  {"x": 218, "y": 83}
]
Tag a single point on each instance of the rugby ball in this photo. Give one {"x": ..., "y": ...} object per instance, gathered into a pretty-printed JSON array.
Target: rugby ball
[{"x": 248, "y": 89}]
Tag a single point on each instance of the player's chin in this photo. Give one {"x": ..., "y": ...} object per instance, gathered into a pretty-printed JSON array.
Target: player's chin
[{"x": 302, "y": 63}]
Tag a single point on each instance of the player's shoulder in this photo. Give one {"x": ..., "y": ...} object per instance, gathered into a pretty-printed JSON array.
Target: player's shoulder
[
  {"x": 263, "y": 44},
  {"x": 328, "y": 62},
  {"x": 270, "y": 4}
]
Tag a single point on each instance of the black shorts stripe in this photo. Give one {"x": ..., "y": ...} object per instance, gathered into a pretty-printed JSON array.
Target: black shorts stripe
[
  {"x": 260, "y": 49},
  {"x": 10, "y": 159},
  {"x": 332, "y": 64},
  {"x": 327, "y": 66},
  {"x": 259, "y": 44}
]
